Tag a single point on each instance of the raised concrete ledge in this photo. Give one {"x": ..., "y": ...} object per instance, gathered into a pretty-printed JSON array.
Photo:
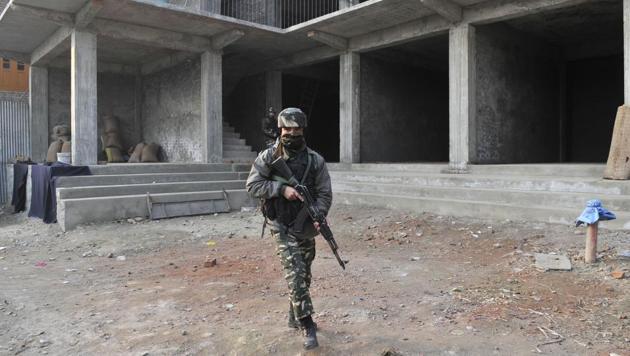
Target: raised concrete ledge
[
  {"x": 151, "y": 188},
  {"x": 123, "y": 179}
]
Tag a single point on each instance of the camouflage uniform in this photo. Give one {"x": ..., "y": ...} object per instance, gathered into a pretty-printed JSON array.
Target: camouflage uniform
[{"x": 296, "y": 248}]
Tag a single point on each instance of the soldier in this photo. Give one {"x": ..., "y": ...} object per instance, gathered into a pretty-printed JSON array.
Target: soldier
[
  {"x": 269, "y": 127},
  {"x": 282, "y": 203}
]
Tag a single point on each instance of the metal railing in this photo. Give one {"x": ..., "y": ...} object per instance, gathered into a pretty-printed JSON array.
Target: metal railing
[{"x": 14, "y": 134}]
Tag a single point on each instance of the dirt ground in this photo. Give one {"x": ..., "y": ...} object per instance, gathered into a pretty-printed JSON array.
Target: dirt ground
[{"x": 416, "y": 285}]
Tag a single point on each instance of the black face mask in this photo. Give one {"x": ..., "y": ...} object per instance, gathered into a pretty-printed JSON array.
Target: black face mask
[{"x": 293, "y": 142}]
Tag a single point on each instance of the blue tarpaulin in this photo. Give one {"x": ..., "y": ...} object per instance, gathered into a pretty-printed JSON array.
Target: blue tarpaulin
[{"x": 593, "y": 213}]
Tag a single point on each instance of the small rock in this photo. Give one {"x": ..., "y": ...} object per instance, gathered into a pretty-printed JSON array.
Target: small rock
[
  {"x": 497, "y": 245},
  {"x": 210, "y": 262},
  {"x": 121, "y": 258},
  {"x": 3, "y": 248},
  {"x": 110, "y": 255},
  {"x": 457, "y": 332},
  {"x": 88, "y": 254},
  {"x": 184, "y": 333},
  {"x": 414, "y": 259},
  {"x": 229, "y": 307},
  {"x": 131, "y": 221},
  {"x": 138, "y": 219},
  {"x": 618, "y": 274}
]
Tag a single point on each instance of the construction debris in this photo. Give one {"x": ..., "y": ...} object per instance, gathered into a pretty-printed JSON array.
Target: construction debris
[{"x": 549, "y": 262}]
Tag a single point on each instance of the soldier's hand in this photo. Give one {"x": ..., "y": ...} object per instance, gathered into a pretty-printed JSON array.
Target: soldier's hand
[
  {"x": 316, "y": 224},
  {"x": 291, "y": 194}
]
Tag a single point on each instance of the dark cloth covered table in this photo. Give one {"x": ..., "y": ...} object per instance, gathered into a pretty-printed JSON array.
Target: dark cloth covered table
[
  {"x": 44, "y": 186},
  {"x": 20, "y": 177}
]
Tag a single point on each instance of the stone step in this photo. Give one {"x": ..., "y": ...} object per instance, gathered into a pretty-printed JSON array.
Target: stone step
[
  {"x": 239, "y": 154},
  {"x": 245, "y": 148},
  {"x": 562, "y": 200},
  {"x": 231, "y": 135},
  {"x": 552, "y": 169},
  {"x": 124, "y": 179},
  {"x": 228, "y": 129},
  {"x": 153, "y": 188},
  {"x": 524, "y": 183},
  {"x": 233, "y": 141},
  {"x": 140, "y": 168},
  {"x": 74, "y": 212},
  {"x": 482, "y": 210}
]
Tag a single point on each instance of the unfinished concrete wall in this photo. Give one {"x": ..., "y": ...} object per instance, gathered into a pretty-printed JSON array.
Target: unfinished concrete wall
[
  {"x": 595, "y": 90},
  {"x": 518, "y": 97},
  {"x": 245, "y": 108},
  {"x": 404, "y": 112},
  {"x": 115, "y": 97},
  {"x": 171, "y": 111}
]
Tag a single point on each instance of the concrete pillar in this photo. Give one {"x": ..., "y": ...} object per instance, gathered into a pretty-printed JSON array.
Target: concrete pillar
[
  {"x": 273, "y": 90},
  {"x": 212, "y": 106},
  {"x": 346, "y": 3},
  {"x": 272, "y": 13},
  {"x": 138, "y": 102},
  {"x": 212, "y": 6},
  {"x": 626, "y": 50},
  {"x": 83, "y": 112},
  {"x": 38, "y": 103},
  {"x": 349, "y": 108},
  {"x": 462, "y": 82}
]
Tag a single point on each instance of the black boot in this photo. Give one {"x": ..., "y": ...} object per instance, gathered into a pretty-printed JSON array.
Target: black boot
[
  {"x": 310, "y": 333},
  {"x": 293, "y": 323}
]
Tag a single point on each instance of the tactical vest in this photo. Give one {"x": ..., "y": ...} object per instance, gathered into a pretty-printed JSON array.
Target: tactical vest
[{"x": 284, "y": 211}]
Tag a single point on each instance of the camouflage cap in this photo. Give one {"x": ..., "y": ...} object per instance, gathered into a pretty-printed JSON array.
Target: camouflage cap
[{"x": 292, "y": 117}]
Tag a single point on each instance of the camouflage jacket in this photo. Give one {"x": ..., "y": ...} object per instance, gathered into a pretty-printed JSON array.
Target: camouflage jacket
[{"x": 260, "y": 184}]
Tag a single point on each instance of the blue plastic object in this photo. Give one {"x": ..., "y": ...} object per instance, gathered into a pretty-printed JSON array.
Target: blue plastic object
[{"x": 593, "y": 213}]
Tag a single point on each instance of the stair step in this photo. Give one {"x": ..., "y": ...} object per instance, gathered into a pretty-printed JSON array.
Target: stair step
[
  {"x": 231, "y": 135},
  {"x": 524, "y": 183},
  {"x": 233, "y": 141},
  {"x": 103, "y": 180},
  {"x": 140, "y": 168},
  {"x": 153, "y": 188},
  {"x": 563, "y": 200},
  {"x": 482, "y": 210},
  {"x": 239, "y": 154},
  {"x": 237, "y": 148},
  {"x": 74, "y": 212}
]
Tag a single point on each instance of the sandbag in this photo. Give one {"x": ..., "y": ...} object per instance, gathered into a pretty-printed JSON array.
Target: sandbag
[
  {"x": 66, "y": 147},
  {"x": 113, "y": 140},
  {"x": 61, "y": 130},
  {"x": 114, "y": 155},
  {"x": 150, "y": 153},
  {"x": 136, "y": 155},
  {"x": 53, "y": 149},
  {"x": 618, "y": 166},
  {"x": 111, "y": 124}
]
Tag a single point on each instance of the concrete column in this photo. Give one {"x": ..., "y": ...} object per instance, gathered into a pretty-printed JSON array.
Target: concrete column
[
  {"x": 38, "y": 103},
  {"x": 462, "y": 82},
  {"x": 212, "y": 6},
  {"x": 346, "y": 3},
  {"x": 138, "y": 102},
  {"x": 349, "y": 108},
  {"x": 626, "y": 50},
  {"x": 272, "y": 13},
  {"x": 273, "y": 90},
  {"x": 83, "y": 112},
  {"x": 212, "y": 106}
]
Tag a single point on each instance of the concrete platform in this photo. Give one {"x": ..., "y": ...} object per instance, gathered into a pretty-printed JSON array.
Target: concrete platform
[{"x": 547, "y": 193}]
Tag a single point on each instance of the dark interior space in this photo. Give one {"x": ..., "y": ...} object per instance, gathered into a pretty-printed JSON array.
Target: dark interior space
[
  {"x": 548, "y": 85},
  {"x": 315, "y": 90},
  {"x": 404, "y": 102}
]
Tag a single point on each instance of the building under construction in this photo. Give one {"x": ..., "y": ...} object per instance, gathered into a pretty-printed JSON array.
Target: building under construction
[{"x": 500, "y": 108}]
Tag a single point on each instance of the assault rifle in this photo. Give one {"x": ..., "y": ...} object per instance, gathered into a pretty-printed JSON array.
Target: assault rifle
[{"x": 281, "y": 168}]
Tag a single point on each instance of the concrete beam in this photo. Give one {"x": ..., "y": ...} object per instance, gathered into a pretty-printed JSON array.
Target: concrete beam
[
  {"x": 333, "y": 41},
  {"x": 58, "y": 17},
  {"x": 150, "y": 36},
  {"x": 212, "y": 106},
  {"x": 52, "y": 47},
  {"x": 309, "y": 56},
  {"x": 16, "y": 56},
  {"x": 166, "y": 62},
  {"x": 226, "y": 38},
  {"x": 349, "y": 108},
  {"x": 445, "y": 8},
  {"x": 88, "y": 12},
  {"x": 83, "y": 98},
  {"x": 626, "y": 50},
  {"x": 462, "y": 98},
  {"x": 38, "y": 105},
  {"x": 485, "y": 12}
]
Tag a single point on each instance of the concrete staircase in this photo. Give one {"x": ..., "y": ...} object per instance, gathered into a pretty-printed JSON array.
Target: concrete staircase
[
  {"x": 119, "y": 191},
  {"x": 555, "y": 193},
  {"x": 235, "y": 150}
]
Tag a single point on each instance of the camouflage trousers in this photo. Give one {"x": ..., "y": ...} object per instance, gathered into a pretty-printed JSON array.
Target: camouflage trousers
[{"x": 297, "y": 254}]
